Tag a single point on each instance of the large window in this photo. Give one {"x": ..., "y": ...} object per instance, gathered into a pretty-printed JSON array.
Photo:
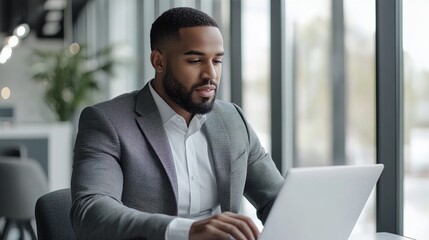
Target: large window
[
  {"x": 256, "y": 67},
  {"x": 416, "y": 118},
  {"x": 360, "y": 91},
  {"x": 256, "y": 76},
  {"x": 311, "y": 23},
  {"x": 333, "y": 59}
]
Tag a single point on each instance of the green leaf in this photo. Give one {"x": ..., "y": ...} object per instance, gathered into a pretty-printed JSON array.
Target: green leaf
[{"x": 70, "y": 81}]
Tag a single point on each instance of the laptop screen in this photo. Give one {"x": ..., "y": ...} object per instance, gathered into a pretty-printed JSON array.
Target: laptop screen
[{"x": 320, "y": 202}]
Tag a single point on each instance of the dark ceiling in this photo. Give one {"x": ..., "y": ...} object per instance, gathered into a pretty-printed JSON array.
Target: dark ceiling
[{"x": 37, "y": 15}]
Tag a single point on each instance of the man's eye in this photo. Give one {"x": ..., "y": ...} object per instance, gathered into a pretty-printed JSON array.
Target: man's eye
[
  {"x": 194, "y": 61},
  {"x": 217, "y": 61}
]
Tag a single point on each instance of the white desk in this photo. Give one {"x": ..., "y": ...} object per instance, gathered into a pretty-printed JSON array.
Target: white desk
[{"x": 378, "y": 236}]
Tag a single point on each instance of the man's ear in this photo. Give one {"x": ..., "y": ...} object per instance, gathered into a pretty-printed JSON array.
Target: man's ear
[{"x": 158, "y": 60}]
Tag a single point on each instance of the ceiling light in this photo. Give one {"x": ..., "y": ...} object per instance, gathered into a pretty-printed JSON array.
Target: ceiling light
[
  {"x": 74, "y": 48},
  {"x": 54, "y": 16},
  {"x": 5, "y": 93},
  {"x": 22, "y": 30},
  {"x": 55, "y": 4},
  {"x": 5, "y": 54},
  {"x": 12, "y": 41}
]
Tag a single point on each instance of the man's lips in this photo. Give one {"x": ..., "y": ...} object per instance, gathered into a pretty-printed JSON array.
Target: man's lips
[
  {"x": 206, "y": 88},
  {"x": 206, "y": 91}
]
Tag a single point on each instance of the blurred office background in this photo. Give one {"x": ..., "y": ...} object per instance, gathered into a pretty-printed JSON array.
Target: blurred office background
[{"x": 314, "y": 78}]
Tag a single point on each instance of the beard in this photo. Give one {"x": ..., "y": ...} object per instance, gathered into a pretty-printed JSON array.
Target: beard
[{"x": 183, "y": 97}]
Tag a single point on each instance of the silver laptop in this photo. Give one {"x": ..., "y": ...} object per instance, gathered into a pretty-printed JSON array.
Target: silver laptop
[{"x": 320, "y": 203}]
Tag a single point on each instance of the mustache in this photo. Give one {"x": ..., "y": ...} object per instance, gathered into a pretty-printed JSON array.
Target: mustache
[{"x": 205, "y": 83}]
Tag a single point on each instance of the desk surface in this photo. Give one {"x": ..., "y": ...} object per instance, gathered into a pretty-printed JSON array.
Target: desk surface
[{"x": 378, "y": 236}]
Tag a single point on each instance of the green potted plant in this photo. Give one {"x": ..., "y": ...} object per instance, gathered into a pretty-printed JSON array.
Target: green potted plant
[{"x": 70, "y": 76}]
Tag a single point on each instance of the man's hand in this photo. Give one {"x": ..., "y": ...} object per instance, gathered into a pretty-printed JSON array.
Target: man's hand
[{"x": 224, "y": 226}]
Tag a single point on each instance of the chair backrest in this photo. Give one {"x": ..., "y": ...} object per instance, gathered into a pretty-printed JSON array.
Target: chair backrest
[
  {"x": 52, "y": 216},
  {"x": 22, "y": 182}
]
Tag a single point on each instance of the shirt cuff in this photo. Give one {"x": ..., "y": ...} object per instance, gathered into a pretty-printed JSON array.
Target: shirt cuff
[{"x": 178, "y": 229}]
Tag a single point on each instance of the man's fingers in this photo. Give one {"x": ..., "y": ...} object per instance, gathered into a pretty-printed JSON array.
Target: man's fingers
[
  {"x": 216, "y": 232},
  {"x": 215, "y": 229},
  {"x": 224, "y": 226},
  {"x": 243, "y": 224},
  {"x": 246, "y": 219},
  {"x": 230, "y": 229}
]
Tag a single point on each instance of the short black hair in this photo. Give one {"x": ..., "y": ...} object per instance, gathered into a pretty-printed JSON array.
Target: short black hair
[{"x": 168, "y": 24}]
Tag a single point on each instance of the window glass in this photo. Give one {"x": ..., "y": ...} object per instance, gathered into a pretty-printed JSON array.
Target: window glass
[
  {"x": 312, "y": 36},
  {"x": 360, "y": 107},
  {"x": 416, "y": 118},
  {"x": 256, "y": 76},
  {"x": 256, "y": 66},
  {"x": 310, "y": 23},
  {"x": 123, "y": 37}
]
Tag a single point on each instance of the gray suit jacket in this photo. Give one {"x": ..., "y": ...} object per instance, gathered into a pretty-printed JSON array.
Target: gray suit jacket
[{"x": 124, "y": 183}]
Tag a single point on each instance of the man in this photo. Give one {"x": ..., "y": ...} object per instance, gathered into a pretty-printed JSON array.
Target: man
[{"x": 170, "y": 161}]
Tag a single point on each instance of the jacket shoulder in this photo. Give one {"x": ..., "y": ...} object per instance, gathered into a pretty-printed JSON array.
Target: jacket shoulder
[
  {"x": 123, "y": 100},
  {"x": 224, "y": 107}
]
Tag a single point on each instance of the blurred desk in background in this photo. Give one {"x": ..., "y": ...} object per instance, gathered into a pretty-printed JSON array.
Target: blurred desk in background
[{"x": 49, "y": 144}]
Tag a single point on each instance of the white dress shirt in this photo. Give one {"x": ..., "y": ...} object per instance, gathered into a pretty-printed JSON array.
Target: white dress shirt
[{"x": 197, "y": 189}]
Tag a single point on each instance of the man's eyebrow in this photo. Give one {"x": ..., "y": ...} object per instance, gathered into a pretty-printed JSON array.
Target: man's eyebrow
[{"x": 194, "y": 52}]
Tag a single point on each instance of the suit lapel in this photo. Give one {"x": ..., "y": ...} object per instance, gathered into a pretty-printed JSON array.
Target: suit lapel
[
  {"x": 217, "y": 138},
  {"x": 151, "y": 124}
]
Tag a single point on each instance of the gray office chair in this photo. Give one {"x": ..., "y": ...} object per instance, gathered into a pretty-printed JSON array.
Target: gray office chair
[
  {"x": 22, "y": 182},
  {"x": 52, "y": 216},
  {"x": 15, "y": 152}
]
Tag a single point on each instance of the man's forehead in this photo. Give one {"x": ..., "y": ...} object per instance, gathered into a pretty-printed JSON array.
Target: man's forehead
[
  {"x": 200, "y": 53},
  {"x": 200, "y": 36}
]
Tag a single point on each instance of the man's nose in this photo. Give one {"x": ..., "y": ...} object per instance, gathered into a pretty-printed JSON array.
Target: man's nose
[{"x": 209, "y": 71}]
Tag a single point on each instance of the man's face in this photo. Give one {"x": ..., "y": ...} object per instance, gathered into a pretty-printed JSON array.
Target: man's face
[
  {"x": 194, "y": 66},
  {"x": 184, "y": 97}
]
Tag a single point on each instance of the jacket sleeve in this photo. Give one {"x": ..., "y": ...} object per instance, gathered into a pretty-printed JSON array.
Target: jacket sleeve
[{"x": 97, "y": 182}]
